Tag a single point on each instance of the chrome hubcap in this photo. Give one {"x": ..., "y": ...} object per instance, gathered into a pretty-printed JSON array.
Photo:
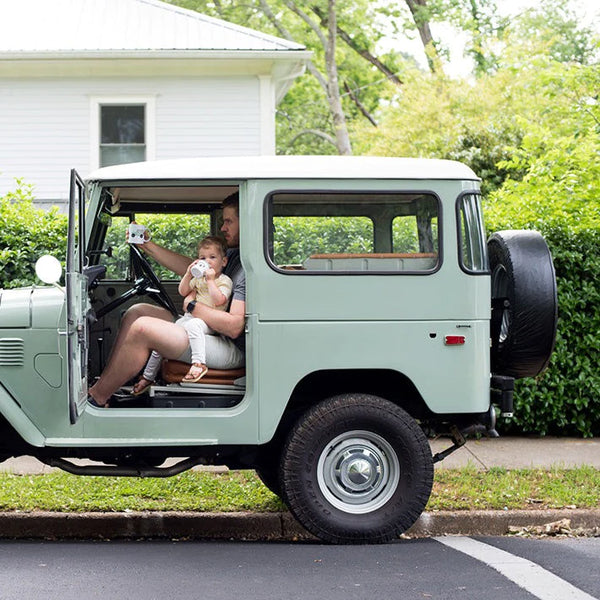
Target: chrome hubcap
[{"x": 358, "y": 472}]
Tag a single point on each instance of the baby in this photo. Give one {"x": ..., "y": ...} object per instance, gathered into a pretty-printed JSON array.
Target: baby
[{"x": 212, "y": 289}]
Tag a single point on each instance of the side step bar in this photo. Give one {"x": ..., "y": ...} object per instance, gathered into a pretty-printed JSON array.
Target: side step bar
[{"x": 122, "y": 471}]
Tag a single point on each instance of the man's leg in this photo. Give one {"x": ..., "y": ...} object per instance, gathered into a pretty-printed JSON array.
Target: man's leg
[
  {"x": 130, "y": 355},
  {"x": 222, "y": 353},
  {"x": 132, "y": 314}
]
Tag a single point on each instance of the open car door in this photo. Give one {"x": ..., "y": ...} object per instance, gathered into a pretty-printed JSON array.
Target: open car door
[{"x": 77, "y": 301}]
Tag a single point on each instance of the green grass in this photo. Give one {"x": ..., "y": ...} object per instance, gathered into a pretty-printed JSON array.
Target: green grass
[
  {"x": 194, "y": 491},
  {"x": 499, "y": 489},
  {"x": 454, "y": 489}
]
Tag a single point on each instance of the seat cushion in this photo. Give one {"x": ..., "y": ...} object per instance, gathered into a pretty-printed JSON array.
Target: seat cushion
[{"x": 173, "y": 371}]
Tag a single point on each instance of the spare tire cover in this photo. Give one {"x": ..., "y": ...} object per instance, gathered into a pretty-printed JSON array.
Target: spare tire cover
[{"x": 524, "y": 303}]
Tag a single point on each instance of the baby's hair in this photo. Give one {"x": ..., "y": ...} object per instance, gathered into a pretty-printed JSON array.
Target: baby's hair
[{"x": 214, "y": 240}]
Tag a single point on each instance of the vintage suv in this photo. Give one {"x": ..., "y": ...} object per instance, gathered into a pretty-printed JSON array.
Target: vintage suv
[{"x": 375, "y": 313}]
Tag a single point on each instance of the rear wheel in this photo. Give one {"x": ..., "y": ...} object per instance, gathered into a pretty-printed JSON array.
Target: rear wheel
[
  {"x": 357, "y": 469},
  {"x": 269, "y": 475}
]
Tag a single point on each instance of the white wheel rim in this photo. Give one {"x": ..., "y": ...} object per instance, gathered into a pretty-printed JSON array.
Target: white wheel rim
[{"x": 358, "y": 472}]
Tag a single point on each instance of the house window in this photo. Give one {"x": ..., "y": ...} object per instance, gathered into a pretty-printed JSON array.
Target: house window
[{"x": 122, "y": 133}]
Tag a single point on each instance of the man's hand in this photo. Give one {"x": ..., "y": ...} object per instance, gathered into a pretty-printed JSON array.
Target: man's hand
[{"x": 147, "y": 236}]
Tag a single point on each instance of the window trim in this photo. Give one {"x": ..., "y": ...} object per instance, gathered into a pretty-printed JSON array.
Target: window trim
[
  {"x": 459, "y": 234},
  {"x": 96, "y": 102},
  {"x": 267, "y": 220}
]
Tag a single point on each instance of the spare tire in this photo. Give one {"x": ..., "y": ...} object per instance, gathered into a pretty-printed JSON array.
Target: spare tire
[{"x": 524, "y": 303}]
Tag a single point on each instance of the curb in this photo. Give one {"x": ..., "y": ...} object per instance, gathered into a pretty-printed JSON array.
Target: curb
[{"x": 262, "y": 526}]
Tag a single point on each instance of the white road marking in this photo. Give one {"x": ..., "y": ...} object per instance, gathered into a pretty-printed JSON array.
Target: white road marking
[{"x": 526, "y": 574}]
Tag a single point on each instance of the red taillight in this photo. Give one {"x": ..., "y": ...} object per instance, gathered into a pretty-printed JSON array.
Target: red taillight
[{"x": 454, "y": 340}]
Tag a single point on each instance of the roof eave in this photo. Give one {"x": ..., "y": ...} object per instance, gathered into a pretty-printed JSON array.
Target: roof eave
[{"x": 287, "y": 54}]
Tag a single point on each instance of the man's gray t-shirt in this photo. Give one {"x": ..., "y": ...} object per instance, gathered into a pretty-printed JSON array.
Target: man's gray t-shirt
[{"x": 233, "y": 269}]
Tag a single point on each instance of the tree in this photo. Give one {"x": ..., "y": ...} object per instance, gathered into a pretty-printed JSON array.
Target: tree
[
  {"x": 491, "y": 122},
  {"x": 325, "y": 29},
  {"x": 350, "y": 80}
]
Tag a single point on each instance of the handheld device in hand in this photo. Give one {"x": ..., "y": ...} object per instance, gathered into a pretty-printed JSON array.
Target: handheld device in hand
[
  {"x": 136, "y": 233},
  {"x": 199, "y": 269}
]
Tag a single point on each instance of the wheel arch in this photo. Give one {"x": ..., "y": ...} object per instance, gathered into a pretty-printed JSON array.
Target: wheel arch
[{"x": 319, "y": 385}]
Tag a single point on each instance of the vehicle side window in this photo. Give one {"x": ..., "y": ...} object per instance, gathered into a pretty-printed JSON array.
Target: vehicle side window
[
  {"x": 473, "y": 249},
  {"x": 353, "y": 232}
]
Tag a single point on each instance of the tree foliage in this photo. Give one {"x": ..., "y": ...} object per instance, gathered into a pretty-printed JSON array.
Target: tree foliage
[
  {"x": 346, "y": 80},
  {"x": 559, "y": 195}
]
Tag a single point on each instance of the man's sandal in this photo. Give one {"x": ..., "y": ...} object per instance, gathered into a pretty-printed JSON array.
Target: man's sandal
[
  {"x": 92, "y": 402},
  {"x": 196, "y": 373}
]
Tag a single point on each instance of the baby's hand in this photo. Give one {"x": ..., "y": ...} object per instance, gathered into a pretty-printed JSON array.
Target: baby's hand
[{"x": 210, "y": 274}]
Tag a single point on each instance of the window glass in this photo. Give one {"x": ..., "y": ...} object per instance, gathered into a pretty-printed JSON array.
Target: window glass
[
  {"x": 416, "y": 232},
  {"x": 122, "y": 134},
  {"x": 297, "y": 238},
  {"x": 178, "y": 232},
  {"x": 353, "y": 232},
  {"x": 473, "y": 248}
]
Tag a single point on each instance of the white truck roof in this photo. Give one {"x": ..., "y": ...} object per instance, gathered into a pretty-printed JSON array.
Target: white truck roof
[{"x": 233, "y": 168}]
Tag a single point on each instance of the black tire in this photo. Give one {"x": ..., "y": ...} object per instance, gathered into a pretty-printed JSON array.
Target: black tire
[
  {"x": 356, "y": 469},
  {"x": 524, "y": 303},
  {"x": 269, "y": 475}
]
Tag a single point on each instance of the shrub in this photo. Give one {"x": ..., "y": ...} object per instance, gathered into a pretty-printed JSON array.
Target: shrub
[
  {"x": 565, "y": 400},
  {"x": 26, "y": 233}
]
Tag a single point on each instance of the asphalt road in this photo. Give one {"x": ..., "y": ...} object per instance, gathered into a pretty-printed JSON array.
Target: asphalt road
[{"x": 491, "y": 568}]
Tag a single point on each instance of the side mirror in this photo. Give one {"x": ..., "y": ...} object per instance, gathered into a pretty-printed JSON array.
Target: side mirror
[{"x": 48, "y": 269}]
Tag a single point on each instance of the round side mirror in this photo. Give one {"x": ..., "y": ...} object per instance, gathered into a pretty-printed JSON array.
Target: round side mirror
[{"x": 48, "y": 269}]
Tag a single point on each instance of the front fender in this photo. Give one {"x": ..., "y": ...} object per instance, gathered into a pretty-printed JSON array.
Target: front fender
[{"x": 20, "y": 422}]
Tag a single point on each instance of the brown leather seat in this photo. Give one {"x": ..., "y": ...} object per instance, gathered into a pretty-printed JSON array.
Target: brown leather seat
[{"x": 173, "y": 371}]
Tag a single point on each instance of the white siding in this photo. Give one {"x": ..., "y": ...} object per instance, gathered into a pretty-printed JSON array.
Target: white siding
[{"x": 45, "y": 124}]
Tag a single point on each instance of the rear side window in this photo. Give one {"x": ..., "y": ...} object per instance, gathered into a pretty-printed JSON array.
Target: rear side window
[
  {"x": 473, "y": 249},
  {"x": 353, "y": 232}
]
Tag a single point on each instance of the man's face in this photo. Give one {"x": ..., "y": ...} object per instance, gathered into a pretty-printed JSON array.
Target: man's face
[{"x": 231, "y": 227}]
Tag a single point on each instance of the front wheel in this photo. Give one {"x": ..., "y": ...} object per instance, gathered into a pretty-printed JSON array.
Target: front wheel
[{"x": 356, "y": 469}]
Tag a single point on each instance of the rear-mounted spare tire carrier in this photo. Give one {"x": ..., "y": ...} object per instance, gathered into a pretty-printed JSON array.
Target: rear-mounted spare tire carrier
[{"x": 524, "y": 303}]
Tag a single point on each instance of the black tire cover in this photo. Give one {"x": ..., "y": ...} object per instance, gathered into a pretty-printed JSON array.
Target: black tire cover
[{"x": 524, "y": 303}]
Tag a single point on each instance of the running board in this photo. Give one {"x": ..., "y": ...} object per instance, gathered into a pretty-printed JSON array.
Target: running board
[{"x": 119, "y": 471}]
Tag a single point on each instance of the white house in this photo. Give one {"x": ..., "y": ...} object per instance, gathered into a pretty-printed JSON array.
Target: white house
[{"x": 89, "y": 83}]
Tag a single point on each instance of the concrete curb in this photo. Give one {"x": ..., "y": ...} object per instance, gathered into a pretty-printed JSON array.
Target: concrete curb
[{"x": 260, "y": 526}]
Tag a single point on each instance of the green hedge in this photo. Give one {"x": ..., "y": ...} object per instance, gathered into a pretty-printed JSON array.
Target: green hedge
[
  {"x": 26, "y": 233},
  {"x": 565, "y": 400}
]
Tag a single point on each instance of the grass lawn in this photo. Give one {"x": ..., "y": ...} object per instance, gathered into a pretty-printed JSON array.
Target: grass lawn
[{"x": 454, "y": 489}]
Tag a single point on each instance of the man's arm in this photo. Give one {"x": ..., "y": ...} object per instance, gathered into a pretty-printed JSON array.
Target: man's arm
[
  {"x": 167, "y": 258},
  {"x": 229, "y": 323}
]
